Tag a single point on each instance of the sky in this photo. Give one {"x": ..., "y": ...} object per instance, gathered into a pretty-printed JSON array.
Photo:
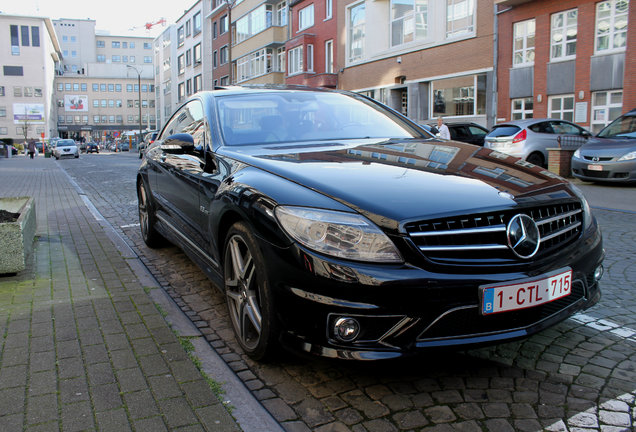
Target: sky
[{"x": 115, "y": 16}]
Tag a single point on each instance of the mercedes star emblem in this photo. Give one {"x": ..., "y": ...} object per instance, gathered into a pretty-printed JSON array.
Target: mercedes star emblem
[{"x": 523, "y": 236}]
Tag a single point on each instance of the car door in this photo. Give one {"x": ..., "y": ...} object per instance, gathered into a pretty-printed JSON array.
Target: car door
[
  {"x": 177, "y": 171},
  {"x": 569, "y": 135}
]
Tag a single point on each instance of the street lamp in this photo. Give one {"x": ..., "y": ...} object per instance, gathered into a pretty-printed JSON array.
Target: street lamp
[{"x": 138, "y": 88}]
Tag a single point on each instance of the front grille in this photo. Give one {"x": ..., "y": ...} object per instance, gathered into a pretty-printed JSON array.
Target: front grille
[
  {"x": 601, "y": 159},
  {"x": 480, "y": 239},
  {"x": 596, "y": 174}
]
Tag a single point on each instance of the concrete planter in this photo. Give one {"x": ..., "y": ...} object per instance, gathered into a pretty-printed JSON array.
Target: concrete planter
[{"x": 16, "y": 237}]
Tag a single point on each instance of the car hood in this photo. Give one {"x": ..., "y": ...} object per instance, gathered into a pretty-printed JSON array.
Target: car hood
[
  {"x": 608, "y": 146},
  {"x": 409, "y": 179}
]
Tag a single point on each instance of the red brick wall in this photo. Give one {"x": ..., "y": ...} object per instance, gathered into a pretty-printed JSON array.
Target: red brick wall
[{"x": 629, "y": 83}]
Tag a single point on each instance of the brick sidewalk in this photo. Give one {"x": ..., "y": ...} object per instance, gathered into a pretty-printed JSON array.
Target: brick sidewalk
[{"x": 82, "y": 345}]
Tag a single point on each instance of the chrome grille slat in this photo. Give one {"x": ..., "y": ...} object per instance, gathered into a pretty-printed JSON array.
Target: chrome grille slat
[{"x": 481, "y": 239}]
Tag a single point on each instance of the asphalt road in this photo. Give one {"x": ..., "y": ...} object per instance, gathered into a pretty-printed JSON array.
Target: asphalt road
[{"x": 577, "y": 376}]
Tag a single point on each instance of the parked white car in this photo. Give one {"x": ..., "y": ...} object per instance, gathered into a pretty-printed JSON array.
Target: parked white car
[{"x": 65, "y": 148}]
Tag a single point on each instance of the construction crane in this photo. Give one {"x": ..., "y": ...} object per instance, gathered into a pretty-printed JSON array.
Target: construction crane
[{"x": 150, "y": 25}]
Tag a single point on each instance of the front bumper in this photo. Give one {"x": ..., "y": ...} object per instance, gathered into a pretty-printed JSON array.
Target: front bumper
[
  {"x": 624, "y": 171},
  {"x": 405, "y": 309}
]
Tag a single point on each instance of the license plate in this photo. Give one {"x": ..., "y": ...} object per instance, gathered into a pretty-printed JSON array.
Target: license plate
[
  {"x": 595, "y": 167},
  {"x": 512, "y": 296}
]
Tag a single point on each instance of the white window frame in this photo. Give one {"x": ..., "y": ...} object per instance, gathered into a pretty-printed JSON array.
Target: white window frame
[
  {"x": 523, "y": 112},
  {"x": 351, "y": 58},
  {"x": 408, "y": 23},
  {"x": 295, "y": 61},
  {"x": 328, "y": 9},
  {"x": 329, "y": 56},
  {"x": 523, "y": 31},
  {"x": 310, "y": 58},
  {"x": 614, "y": 20},
  {"x": 600, "y": 114},
  {"x": 561, "y": 113},
  {"x": 306, "y": 17},
  {"x": 559, "y": 34},
  {"x": 458, "y": 10}
]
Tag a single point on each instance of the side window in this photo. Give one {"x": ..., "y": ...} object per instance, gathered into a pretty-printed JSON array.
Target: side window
[
  {"x": 475, "y": 131},
  {"x": 543, "y": 127},
  {"x": 189, "y": 119},
  {"x": 565, "y": 128}
]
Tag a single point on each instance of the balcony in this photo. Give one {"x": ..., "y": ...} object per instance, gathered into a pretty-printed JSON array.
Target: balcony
[{"x": 267, "y": 38}]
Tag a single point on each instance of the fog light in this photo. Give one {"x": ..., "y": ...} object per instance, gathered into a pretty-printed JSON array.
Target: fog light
[
  {"x": 598, "y": 273},
  {"x": 346, "y": 329}
]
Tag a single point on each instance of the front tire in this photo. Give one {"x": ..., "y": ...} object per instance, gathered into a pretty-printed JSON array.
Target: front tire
[
  {"x": 248, "y": 294},
  {"x": 147, "y": 218},
  {"x": 536, "y": 159}
]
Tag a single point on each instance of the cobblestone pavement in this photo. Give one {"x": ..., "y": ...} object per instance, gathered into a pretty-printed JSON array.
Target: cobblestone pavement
[{"x": 577, "y": 376}]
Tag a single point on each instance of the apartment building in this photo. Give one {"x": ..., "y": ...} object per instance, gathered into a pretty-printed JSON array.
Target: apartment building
[
  {"x": 220, "y": 27},
  {"x": 568, "y": 59},
  {"x": 103, "y": 82},
  {"x": 165, "y": 54},
  {"x": 189, "y": 61},
  {"x": 258, "y": 36},
  {"x": 30, "y": 55},
  {"x": 423, "y": 58},
  {"x": 312, "y": 45}
]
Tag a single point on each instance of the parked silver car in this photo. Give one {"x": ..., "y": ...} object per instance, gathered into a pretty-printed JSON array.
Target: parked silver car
[
  {"x": 611, "y": 155},
  {"x": 529, "y": 139},
  {"x": 65, "y": 148}
]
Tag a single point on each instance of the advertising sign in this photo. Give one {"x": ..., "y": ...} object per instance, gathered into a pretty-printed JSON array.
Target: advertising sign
[
  {"x": 75, "y": 103},
  {"x": 31, "y": 113}
]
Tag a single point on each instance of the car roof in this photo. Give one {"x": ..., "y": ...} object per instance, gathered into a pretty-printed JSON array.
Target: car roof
[{"x": 528, "y": 122}]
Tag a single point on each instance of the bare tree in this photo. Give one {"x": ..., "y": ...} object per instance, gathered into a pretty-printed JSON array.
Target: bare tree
[{"x": 25, "y": 125}]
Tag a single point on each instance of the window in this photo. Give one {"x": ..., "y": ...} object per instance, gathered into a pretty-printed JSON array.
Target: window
[
  {"x": 35, "y": 36},
  {"x": 281, "y": 13},
  {"x": 102, "y": 87},
  {"x": 457, "y": 96},
  {"x": 85, "y": 119},
  {"x": 15, "y": 40},
  {"x": 522, "y": 109},
  {"x": 73, "y": 53},
  {"x": 13, "y": 71},
  {"x": 84, "y": 87},
  {"x": 561, "y": 107},
  {"x": 147, "y": 45},
  {"x": 563, "y": 35},
  {"x": 116, "y": 59},
  {"x": 329, "y": 56},
  {"x": 28, "y": 91},
  {"x": 60, "y": 87},
  {"x": 180, "y": 64},
  {"x": 75, "y": 86},
  {"x": 310, "y": 58},
  {"x": 225, "y": 80},
  {"x": 181, "y": 92},
  {"x": 124, "y": 59},
  {"x": 356, "y": 32},
  {"x": 3, "y": 111},
  {"x": 144, "y": 88},
  {"x": 214, "y": 30},
  {"x": 197, "y": 84},
  {"x": 129, "y": 103},
  {"x": 132, "y": 59},
  {"x": 188, "y": 58},
  {"x": 147, "y": 59},
  {"x": 306, "y": 17},
  {"x": 124, "y": 44},
  {"x": 111, "y": 103},
  {"x": 188, "y": 28},
  {"x": 196, "y": 23},
  {"x": 196, "y": 51},
  {"x": 115, "y": 44},
  {"x": 101, "y": 44},
  {"x": 328, "y": 9},
  {"x": 295, "y": 59},
  {"x": 131, "y": 45},
  {"x": 409, "y": 21},
  {"x": 253, "y": 65},
  {"x": 253, "y": 23},
  {"x": 460, "y": 17},
  {"x": 118, "y": 87},
  {"x": 223, "y": 24},
  {"x": 144, "y": 103},
  {"x": 118, "y": 103},
  {"x": 188, "y": 87},
  {"x": 24, "y": 30},
  {"x": 4, "y": 131},
  {"x": 68, "y": 87},
  {"x": 120, "y": 119},
  {"x": 104, "y": 103},
  {"x": 101, "y": 58},
  {"x": 95, "y": 103},
  {"x": 129, "y": 87},
  {"x": 611, "y": 25},
  {"x": 223, "y": 55},
  {"x": 523, "y": 43},
  {"x": 180, "y": 36},
  {"x": 214, "y": 59},
  {"x": 606, "y": 107}
]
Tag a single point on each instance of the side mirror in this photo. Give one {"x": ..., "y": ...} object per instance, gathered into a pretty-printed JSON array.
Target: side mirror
[
  {"x": 586, "y": 134},
  {"x": 178, "y": 144}
]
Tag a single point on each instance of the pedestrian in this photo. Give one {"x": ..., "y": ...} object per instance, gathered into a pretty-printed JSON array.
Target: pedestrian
[
  {"x": 443, "y": 129},
  {"x": 31, "y": 147}
]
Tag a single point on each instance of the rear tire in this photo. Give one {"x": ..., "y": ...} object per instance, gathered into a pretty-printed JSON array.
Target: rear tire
[
  {"x": 147, "y": 219},
  {"x": 248, "y": 294},
  {"x": 536, "y": 159}
]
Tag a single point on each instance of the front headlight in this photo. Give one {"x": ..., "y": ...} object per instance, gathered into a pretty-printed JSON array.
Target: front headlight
[
  {"x": 577, "y": 154},
  {"x": 587, "y": 212},
  {"x": 343, "y": 235},
  {"x": 628, "y": 156}
]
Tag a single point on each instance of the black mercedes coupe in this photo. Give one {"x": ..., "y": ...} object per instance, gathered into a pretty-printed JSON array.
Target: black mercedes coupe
[{"x": 336, "y": 226}]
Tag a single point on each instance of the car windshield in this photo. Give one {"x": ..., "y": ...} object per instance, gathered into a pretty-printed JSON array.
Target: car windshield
[
  {"x": 622, "y": 127},
  {"x": 279, "y": 117},
  {"x": 65, "y": 142},
  {"x": 503, "y": 131}
]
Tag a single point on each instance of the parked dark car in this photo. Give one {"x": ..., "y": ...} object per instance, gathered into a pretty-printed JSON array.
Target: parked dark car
[
  {"x": 92, "y": 147},
  {"x": 611, "y": 155},
  {"x": 149, "y": 138},
  {"x": 337, "y": 227},
  {"x": 471, "y": 133}
]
